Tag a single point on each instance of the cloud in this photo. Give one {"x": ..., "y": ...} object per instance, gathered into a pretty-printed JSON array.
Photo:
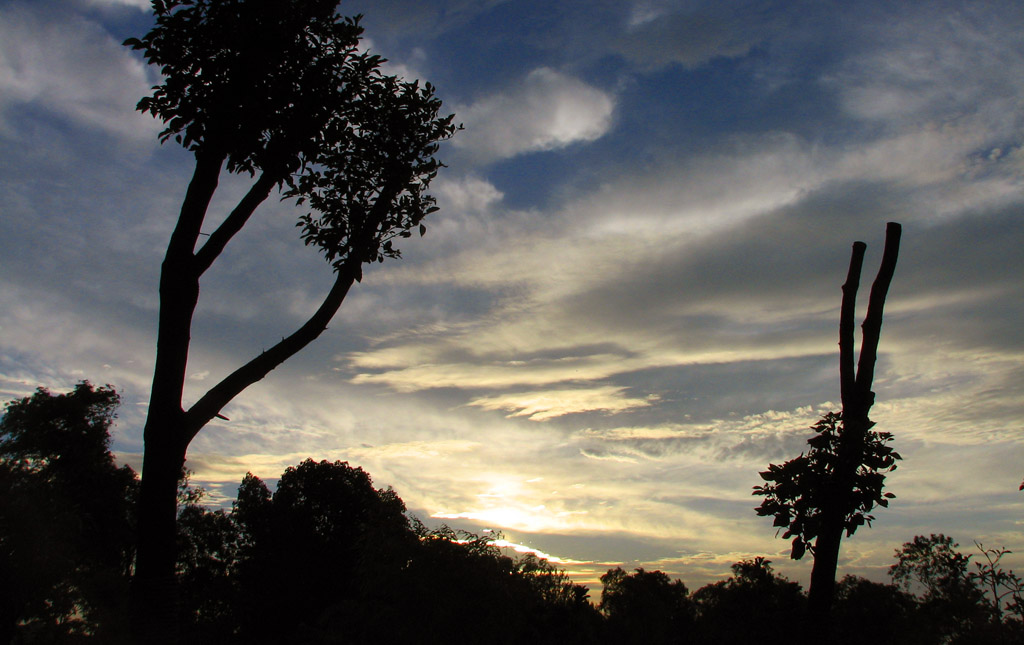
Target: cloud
[
  {"x": 659, "y": 34},
  {"x": 70, "y": 67},
  {"x": 142, "y": 5},
  {"x": 548, "y": 110},
  {"x": 616, "y": 359},
  {"x": 524, "y": 549},
  {"x": 407, "y": 70},
  {"x": 548, "y": 404},
  {"x": 755, "y": 439},
  {"x": 467, "y": 194},
  {"x": 924, "y": 64},
  {"x": 644, "y": 261}
]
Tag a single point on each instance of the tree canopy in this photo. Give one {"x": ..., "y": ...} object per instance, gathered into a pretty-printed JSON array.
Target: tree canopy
[{"x": 66, "y": 518}]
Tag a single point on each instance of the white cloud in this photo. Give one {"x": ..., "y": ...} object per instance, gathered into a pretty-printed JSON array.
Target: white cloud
[
  {"x": 470, "y": 194},
  {"x": 547, "y": 111},
  {"x": 69, "y": 66},
  {"x": 548, "y": 404},
  {"x": 143, "y": 5},
  {"x": 938, "y": 65},
  {"x": 409, "y": 69}
]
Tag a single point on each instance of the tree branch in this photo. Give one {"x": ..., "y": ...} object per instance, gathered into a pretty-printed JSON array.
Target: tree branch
[
  {"x": 872, "y": 326},
  {"x": 847, "y": 377},
  {"x": 207, "y": 407},
  {"x": 194, "y": 206},
  {"x": 234, "y": 222},
  {"x": 211, "y": 403}
]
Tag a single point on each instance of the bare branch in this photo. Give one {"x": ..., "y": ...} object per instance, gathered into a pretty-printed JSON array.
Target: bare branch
[
  {"x": 194, "y": 206},
  {"x": 872, "y": 326},
  {"x": 234, "y": 222},
  {"x": 211, "y": 403},
  {"x": 847, "y": 377}
]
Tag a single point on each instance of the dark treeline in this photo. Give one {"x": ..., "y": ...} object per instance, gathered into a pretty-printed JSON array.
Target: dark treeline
[{"x": 329, "y": 558}]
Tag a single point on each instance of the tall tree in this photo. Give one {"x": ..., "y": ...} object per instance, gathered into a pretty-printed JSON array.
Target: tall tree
[
  {"x": 277, "y": 90},
  {"x": 831, "y": 489}
]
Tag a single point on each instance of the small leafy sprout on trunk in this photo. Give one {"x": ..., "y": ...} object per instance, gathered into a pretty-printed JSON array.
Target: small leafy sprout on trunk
[{"x": 796, "y": 492}]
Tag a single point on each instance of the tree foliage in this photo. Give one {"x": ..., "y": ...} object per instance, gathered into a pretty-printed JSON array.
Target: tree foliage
[
  {"x": 646, "y": 607},
  {"x": 280, "y": 88},
  {"x": 349, "y": 563},
  {"x": 66, "y": 518},
  {"x": 960, "y": 605},
  {"x": 770, "y": 604},
  {"x": 934, "y": 564},
  {"x": 1005, "y": 589},
  {"x": 866, "y": 611},
  {"x": 798, "y": 490}
]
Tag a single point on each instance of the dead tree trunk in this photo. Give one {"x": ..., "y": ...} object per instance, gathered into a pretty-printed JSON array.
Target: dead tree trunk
[{"x": 857, "y": 399}]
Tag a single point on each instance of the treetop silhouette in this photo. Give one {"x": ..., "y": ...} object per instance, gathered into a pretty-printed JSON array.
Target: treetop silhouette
[{"x": 66, "y": 518}]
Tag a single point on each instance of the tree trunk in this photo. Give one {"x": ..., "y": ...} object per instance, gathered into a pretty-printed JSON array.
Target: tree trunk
[
  {"x": 857, "y": 399},
  {"x": 155, "y": 606},
  {"x": 169, "y": 429},
  {"x": 154, "y": 602}
]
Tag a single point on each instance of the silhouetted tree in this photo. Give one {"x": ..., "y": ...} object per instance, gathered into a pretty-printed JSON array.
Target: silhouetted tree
[
  {"x": 1005, "y": 588},
  {"x": 754, "y": 605},
  {"x": 560, "y": 608},
  {"x": 956, "y": 605},
  {"x": 66, "y": 522},
  {"x": 328, "y": 558},
  {"x": 646, "y": 607},
  {"x": 277, "y": 90},
  {"x": 935, "y": 565},
  {"x": 951, "y": 602},
  {"x": 324, "y": 527},
  {"x": 830, "y": 490},
  {"x": 459, "y": 585},
  {"x": 872, "y": 612},
  {"x": 209, "y": 543}
]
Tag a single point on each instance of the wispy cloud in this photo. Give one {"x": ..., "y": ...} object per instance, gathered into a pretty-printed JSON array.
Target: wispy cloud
[
  {"x": 548, "y": 404},
  {"x": 144, "y": 5},
  {"x": 67, "y": 65}
]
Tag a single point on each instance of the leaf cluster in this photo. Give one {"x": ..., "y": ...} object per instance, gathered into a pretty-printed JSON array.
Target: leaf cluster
[
  {"x": 282, "y": 88},
  {"x": 1005, "y": 587},
  {"x": 842, "y": 472},
  {"x": 366, "y": 186},
  {"x": 247, "y": 79},
  {"x": 344, "y": 562},
  {"x": 52, "y": 435}
]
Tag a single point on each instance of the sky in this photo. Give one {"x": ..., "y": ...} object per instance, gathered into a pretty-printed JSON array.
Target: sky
[{"x": 627, "y": 305}]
